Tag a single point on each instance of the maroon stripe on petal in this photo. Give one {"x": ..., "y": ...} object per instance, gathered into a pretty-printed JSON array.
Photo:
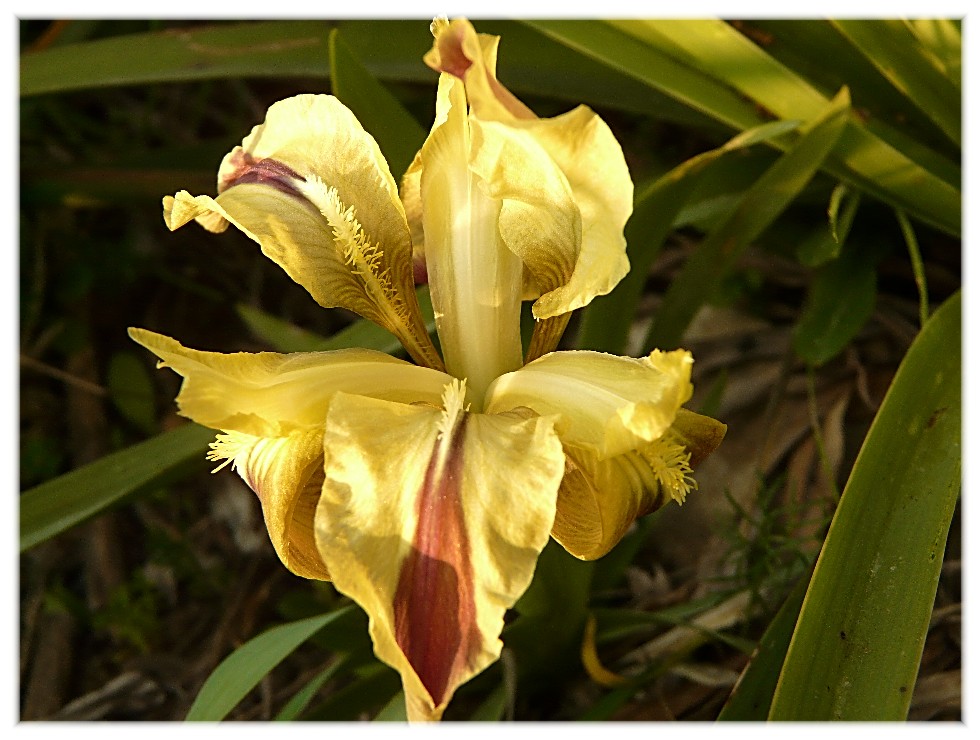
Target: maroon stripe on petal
[
  {"x": 248, "y": 169},
  {"x": 435, "y": 611}
]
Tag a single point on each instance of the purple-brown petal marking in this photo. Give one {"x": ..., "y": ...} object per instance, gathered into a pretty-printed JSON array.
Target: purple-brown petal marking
[
  {"x": 248, "y": 169},
  {"x": 434, "y": 605}
]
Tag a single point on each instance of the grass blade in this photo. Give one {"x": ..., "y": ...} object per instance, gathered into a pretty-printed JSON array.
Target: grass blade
[
  {"x": 858, "y": 643},
  {"x": 241, "y": 671},
  {"x": 59, "y": 504}
]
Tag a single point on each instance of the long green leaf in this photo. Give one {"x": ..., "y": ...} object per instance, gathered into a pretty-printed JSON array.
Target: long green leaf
[
  {"x": 718, "y": 72},
  {"x": 241, "y": 671},
  {"x": 302, "y": 698},
  {"x": 655, "y": 68},
  {"x": 59, "y": 504},
  {"x": 858, "y": 642},
  {"x": 891, "y": 47},
  {"x": 943, "y": 39},
  {"x": 529, "y": 64},
  {"x": 758, "y": 208},
  {"x": 734, "y": 60},
  {"x": 815, "y": 50},
  {"x": 271, "y": 49}
]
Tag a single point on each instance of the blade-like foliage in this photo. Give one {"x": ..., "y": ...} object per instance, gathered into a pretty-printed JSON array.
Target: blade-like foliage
[
  {"x": 70, "y": 499},
  {"x": 703, "y": 64},
  {"x": 241, "y": 671},
  {"x": 858, "y": 642},
  {"x": 760, "y": 205},
  {"x": 606, "y": 321}
]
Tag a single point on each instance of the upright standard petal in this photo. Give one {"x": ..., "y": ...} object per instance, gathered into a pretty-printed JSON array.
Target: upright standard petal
[
  {"x": 267, "y": 394},
  {"x": 311, "y": 186},
  {"x": 432, "y": 519},
  {"x": 474, "y": 278},
  {"x": 462, "y": 52},
  {"x": 584, "y": 150}
]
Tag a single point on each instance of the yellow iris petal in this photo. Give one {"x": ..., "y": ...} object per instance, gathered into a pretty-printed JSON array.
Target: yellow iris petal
[
  {"x": 539, "y": 220},
  {"x": 600, "y": 498},
  {"x": 311, "y": 186},
  {"x": 286, "y": 474},
  {"x": 432, "y": 519},
  {"x": 267, "y": 394},
  {"x": 474, "y": 278},
  {"x": 460, "y": 51},
  {"x": 579, "y": 144},
  {"x": 588, "y": 155},
  {"x": 604, "y": 403}
]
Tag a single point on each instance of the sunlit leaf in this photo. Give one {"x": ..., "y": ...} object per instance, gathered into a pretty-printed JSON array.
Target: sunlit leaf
[
  {"x": 858, "y": 643},
  {"x": 891, "y": 47},
  {"x": 942, "y": 38},
  {"x": 702, "y": 63}
]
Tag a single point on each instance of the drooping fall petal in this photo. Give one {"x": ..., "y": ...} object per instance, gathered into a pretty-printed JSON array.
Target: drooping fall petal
[
  {"x": 311, "y": 186},
  {"x": 432, "y": 519},
  {"x": 603, "y": 403},
  {"x": 600, "y": 498},
  {"x": 286, "y": 474},
  {"x": 267, "y": 394}
]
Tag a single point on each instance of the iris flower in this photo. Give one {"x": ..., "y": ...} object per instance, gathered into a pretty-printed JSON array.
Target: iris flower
[{"x": 426, "y": 490}]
